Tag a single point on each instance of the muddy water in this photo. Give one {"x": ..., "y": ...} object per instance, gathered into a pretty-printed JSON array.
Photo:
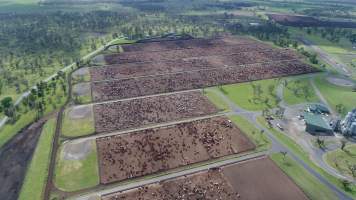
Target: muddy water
[{"x": 15, "y": 157}]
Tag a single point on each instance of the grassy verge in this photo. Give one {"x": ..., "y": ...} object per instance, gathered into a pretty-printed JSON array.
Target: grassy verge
[
  {"x": 28, "y": 116},
  {"x": 307, "y": 182},
  {"x": 254, "y": 134},
  {"x": 72, "y": 175},
  {"x": 245, "y": 96},
  {"x": 77, "y": 127},
  {"x": 298, "y": 151},
  {"x": 342, "y": 160},
  {"x": 216, "y": 100},
  {"x": 299, "y": 91},
  {"x": 336, "y": 95},
  {"x": 36, "y": 176}
]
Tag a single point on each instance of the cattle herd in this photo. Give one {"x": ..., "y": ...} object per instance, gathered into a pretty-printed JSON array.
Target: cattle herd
[
  {"x": 165, "y": 122},
  {"x": 170, "y": 66},
  {"x": 148, "y": 151},
  {"x": 151, "y": 110}
]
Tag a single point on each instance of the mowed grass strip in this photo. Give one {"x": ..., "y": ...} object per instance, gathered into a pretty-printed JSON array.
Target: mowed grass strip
[
  {"x": 36, "y": 176},
  {"x": 246, "y": 97},
  {"x": 75, "y": 126},
  {"x": 76, "y": 174},
  {"x": 255, "y": 135},
  {"x": 215, "y": 99},
  {"x": 299, "y": 91},
  {"x": 342, "y": 160},
  {"x": 336, "y": 95},
  {"x": 311, "y": 186}
]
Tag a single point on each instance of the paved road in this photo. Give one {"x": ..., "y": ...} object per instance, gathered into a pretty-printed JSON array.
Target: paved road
[
  {"x": 252, "y": 118},
  {"x": 65, "y": 69},
  {"x": 278, "y": 147},
  {"x": 315, "y": 153},
  {"x": 339, "y": 66}
]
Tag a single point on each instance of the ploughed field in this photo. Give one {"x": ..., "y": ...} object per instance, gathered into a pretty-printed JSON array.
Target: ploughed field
[
  {"x": 247, "y": 180},
  {"x": 169, "y": 66},
  {"x": 151, "y": 110},
  {"x": 149, "y": 151}
]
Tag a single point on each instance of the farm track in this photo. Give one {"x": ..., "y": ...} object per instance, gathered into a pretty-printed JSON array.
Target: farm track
[{"x": 50, "y": 179}]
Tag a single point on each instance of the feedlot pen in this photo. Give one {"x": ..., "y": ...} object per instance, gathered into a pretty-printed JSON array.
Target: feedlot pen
[{"x": 129, "y": 81}]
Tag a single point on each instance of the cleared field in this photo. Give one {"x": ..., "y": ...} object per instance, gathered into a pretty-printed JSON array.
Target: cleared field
[
  {"x": 151, "y": 110},
  {"x": 247, "y": 180},
  {"x": 148, "y": 85},
  {"x": 153, "y": 150}
]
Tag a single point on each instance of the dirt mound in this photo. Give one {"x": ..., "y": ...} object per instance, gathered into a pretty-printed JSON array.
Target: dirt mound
[
  {"x": 82, "y": 89},
  {"x": 77, "y": 150},
  {"x": 80, "y": 112},
  {"x": 81, "y": 72}
]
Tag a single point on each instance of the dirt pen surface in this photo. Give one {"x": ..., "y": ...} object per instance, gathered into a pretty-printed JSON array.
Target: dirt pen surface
[
  {"x": 153, "y": 150},
  {"x": 151, "y": 110},
  {"x": 148, "y": 85},
  {"x": 168, "y": 66},
  {"x": 221, "y": 184}
]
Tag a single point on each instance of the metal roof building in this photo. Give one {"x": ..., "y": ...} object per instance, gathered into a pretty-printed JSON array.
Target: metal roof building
[
  {"x": 315, "y": 123},
  {"x": 318, "y": 108}
]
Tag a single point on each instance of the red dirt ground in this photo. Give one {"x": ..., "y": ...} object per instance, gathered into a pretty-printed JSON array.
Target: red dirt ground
[
  {"x": 151, "y": 110},
  {"x": 149, "y": 85},
  {"x": 258, "y": 179},
  {"x": 153, "y": 150},
  {"x": 168, "y": 66},
  {"x": 206, "y": 185}
]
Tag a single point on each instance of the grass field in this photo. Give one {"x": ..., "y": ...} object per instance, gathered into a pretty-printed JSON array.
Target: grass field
[
  {"x": 298, "y": 151},
  {"x": 72, "y": 175},
  {"x": 342, "y": 160},
  {"x": 336, "y": 95},
  {"x": 255, "y": 135},
  {"x": 299, "y": 91},
  {"x": 78, "y": 126},
  {"x": 311, "y": 186},
  {"x": 36, "y": 176},
  {"x": 215, "y": 99},
  {"x": 243, "y": 94}
]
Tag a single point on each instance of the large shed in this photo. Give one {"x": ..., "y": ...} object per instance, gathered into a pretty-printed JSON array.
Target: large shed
[{"x": 316, "y": 124}]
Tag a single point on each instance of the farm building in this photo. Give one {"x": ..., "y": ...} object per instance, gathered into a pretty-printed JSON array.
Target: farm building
[
  {"x": 316, "y": 124},
  {"x": 319, "y": 109},
  {"x": 348, "y": 125}
]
